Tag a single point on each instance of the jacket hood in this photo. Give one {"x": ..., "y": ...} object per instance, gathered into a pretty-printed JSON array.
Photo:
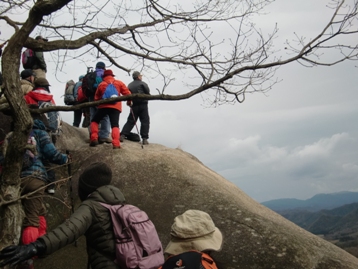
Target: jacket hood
[
  {"x": 40, "y": 94},
  {"x": 107, "y": 194},
  {"x": 109, "y": 79},
  {"x": 99, "y": 72}
]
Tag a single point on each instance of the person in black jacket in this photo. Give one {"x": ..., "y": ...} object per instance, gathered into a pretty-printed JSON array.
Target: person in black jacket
[
  {"x": 139, "y": 109},
  {"x": 90, "y": 219}
]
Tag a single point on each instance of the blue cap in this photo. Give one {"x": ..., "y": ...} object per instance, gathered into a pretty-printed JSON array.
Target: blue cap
[
  {"x": 81, "y": 77},
  {"x": 100, "y": 65}
]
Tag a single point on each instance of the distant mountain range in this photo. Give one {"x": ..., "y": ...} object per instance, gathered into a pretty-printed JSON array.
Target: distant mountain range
[
  {"x": 325, "y": 221},
  {"x": 316, "y": 203},
  {"x": 333, "y": 217}
]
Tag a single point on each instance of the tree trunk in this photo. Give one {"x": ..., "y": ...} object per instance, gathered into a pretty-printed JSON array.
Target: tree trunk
[{"x": 11, "y": 213}]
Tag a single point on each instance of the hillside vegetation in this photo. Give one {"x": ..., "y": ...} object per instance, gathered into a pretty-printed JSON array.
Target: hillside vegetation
[{"x": 338, "y": 225}]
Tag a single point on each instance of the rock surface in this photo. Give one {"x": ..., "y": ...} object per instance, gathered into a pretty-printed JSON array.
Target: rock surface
[{"x": 165, "y": 182}]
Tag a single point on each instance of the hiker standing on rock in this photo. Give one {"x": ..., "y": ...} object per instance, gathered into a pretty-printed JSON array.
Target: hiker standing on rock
[
  {"x": 139, "y": 109},
  {"x": 40, "y": 67},
  {"x": 77, "y": 114},
  {"x": 90, "y": 219},
  {"x": 108, "y": 88},
  {"x": 90, "y": 84}
]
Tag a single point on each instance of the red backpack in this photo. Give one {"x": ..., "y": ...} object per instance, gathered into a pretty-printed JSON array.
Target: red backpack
[{"x": 190, "y": 260}]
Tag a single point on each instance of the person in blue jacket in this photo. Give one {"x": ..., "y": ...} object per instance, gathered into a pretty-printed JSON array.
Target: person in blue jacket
[{"x": 34, "y": 179}]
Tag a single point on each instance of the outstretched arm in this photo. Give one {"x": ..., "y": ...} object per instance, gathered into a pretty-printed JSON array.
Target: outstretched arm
[
  {"x": 48, "y": 149},
  {"x": 16, "y": 254}
]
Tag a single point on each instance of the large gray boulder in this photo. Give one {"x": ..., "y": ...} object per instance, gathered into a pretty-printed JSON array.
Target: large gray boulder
[{"x": 165, "y": 182}]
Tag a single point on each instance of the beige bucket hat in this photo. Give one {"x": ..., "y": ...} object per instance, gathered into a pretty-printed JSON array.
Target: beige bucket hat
[{"x": 194, "y": 230}]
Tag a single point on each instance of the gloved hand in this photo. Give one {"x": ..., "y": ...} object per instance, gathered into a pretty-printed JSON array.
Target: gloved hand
[
  {"x": 129, "y": 103},
  {"x": 16, "y": 254}
]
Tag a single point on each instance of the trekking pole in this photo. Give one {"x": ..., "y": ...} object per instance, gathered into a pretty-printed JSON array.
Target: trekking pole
[
  {"x": 69, "y": 170},
  {"x": 135, "y": 122}
]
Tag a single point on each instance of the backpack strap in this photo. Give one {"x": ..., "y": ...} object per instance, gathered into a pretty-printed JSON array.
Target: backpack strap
[
  {"x": 192, "y": 259},
  {"x": 118, "y": 225}
]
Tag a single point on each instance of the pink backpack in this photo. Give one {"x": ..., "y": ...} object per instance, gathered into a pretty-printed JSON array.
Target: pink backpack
[{"x": 137, "y": 241}]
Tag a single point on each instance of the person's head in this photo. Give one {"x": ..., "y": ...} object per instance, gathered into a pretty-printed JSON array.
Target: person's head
[
  {"x": 42, "y": 83},
  {"x": 100, "y": 65},
  {"x": 80, "y": 78},
  {"x": 194, "y": 230},
  {"x": 96, "y": 175},
  {"x": 40, "y": 38},
  {"x": 108, "y": 72},
  {"x": 137, "y": 75},
  {"x": 28, "y": 74}
]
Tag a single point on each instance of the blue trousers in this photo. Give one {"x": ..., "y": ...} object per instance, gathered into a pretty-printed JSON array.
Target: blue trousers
[{"x": 104, "y": 124}]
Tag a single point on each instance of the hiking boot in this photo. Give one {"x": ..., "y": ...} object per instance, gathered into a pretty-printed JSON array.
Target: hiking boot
[
  {"x": 116, "y": 147},
  {"x": 145, "y": 141},
  {"x": 51, "y": 189},
  {"x": 94, "y": 143},
  {"x": 105, "y": 140},
  {"x": 121, "y": 138}
]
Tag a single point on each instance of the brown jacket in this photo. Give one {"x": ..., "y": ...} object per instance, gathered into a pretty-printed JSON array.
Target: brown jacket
[
  {"x": 26, "y": 86},
  {"x": 92, "y": 220}
]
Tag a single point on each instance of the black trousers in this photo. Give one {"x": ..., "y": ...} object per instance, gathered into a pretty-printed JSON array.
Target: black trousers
[
  {"x": 77, "y": 117},
  {"x": 112, "y": 113},
  {"x": 140, "y": 111}
]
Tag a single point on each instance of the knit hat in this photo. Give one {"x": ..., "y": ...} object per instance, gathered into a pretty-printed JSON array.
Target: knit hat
[
  {"x": 108, "y": 72},
  {"x": 194, "y": 230},
  {"x": 41, "y": 82},
  {"x": 27, "y": 73},
  {"x": 136, "y": 74},
  {"x": 100, "y": 65},
  {"x": 96, "y": 175}
]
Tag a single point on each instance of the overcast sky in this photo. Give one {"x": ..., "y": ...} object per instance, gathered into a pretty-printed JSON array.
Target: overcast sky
[{"x": 297, "y": 140}]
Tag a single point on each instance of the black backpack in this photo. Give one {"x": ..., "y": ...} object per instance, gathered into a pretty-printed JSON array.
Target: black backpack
[
  {"x": 133, "y": 137},
  {"x": 190, "y": 260},
  {"x": 88, "y": 84}
]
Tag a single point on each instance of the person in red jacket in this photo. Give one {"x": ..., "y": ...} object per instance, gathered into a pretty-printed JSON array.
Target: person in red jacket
[
  {"x": 40, "y": 93},
  {"x": 109, "y": 87}
]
